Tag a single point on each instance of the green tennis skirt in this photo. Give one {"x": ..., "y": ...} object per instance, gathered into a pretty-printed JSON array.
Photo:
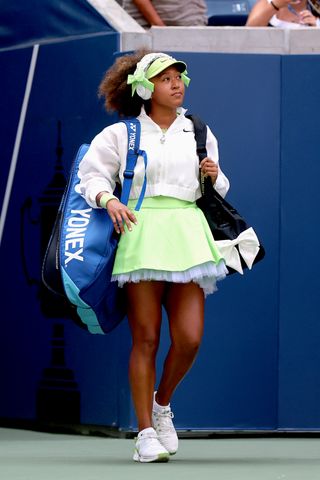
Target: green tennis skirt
[{"x": 172, "y": 242}]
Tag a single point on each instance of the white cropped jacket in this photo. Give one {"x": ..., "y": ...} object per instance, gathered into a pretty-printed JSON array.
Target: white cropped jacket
[{"x": 173, "y": 164}]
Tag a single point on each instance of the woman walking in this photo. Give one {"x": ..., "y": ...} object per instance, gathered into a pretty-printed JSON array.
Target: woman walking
[{"x": 166, "y": 254}]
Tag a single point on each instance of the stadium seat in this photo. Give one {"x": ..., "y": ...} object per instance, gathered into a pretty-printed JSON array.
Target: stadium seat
[{"x": 228, "y": 12}]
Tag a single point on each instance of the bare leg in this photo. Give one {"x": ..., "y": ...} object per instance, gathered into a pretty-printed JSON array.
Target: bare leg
[
  {"x": 144, "y": 314},
  {"x": 185, "y": 307}
]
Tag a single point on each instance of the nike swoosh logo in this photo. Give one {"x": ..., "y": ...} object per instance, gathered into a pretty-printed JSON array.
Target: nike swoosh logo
[{"x": 188, "y": 131}]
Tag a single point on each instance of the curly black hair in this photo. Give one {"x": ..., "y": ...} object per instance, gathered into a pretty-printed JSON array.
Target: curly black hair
[{"x": 115, "y": 90}]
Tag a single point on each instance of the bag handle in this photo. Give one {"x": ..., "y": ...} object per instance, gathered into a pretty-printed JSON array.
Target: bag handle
[{"x": 200, "y": 134}]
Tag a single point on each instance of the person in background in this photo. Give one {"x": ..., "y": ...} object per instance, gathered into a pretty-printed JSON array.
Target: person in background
[
  {"x": 284, "y": 14},
  {"x": 163, "y": 13}
]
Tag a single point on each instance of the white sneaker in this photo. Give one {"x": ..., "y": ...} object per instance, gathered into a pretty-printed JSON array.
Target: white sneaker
[
  {"x": 162, "y": 423},
  {"x": 148, "y": 448}
]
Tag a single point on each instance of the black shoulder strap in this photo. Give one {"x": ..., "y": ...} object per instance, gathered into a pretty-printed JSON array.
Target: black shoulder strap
[{"x": 200, "y": 133}]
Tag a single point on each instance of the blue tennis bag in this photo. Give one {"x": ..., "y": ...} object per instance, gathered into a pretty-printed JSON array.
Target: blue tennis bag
[{"x": 80, "y": 255}]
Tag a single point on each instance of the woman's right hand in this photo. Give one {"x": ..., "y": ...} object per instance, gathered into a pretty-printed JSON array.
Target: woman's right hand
[
  {"x": 306, "y": 18},
  {"x": 120, "y": 214}
]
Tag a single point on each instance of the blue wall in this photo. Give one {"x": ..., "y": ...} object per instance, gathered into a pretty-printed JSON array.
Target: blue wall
[
  {"x": 64, "y": 91},
  {"x": 234, "y": 382},
  {"x": 258, "y": 364},
  {"x": 299, "y": 332}
]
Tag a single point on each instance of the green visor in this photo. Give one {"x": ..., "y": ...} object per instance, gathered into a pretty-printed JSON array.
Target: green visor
[{"x": 162, "y": 63}]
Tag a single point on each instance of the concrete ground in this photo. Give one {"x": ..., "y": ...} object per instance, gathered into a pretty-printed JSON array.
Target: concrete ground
[{"x": 29, "y": 455}]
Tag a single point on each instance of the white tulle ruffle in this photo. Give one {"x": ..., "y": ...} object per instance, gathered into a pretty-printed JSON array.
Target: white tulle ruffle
[{"x": 205, "y": 275}]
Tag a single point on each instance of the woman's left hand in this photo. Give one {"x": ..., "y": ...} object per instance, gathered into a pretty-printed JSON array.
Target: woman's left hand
[
  {"x": 306, "y": 18},
  {"x": 209, "y": 169}
]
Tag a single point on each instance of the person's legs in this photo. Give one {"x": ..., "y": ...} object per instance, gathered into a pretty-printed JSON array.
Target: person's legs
[
  {"x": 185, "y": 307},
  {"x": 144, "y": 314}
]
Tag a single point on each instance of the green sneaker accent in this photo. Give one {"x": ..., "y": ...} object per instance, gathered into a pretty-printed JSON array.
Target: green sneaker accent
[{"x": 163, "y": 457}]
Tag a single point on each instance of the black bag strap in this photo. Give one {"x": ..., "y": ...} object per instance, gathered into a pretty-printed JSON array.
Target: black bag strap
[{"x": 200, "y": 133}]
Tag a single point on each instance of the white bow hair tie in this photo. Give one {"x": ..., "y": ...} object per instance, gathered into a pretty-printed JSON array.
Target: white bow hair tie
[{"x": 248, "y": 247}]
